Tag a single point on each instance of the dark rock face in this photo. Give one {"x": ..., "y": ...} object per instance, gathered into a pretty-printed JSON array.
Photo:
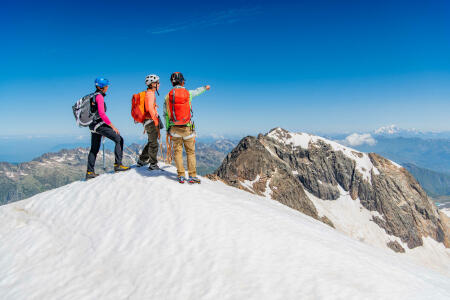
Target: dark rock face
[
  {"x": 394, "y": 245},
  {"x": 407, "y": 211},
  {"x": 251, "y": 159},
  {"x": 275, "y": 165}
]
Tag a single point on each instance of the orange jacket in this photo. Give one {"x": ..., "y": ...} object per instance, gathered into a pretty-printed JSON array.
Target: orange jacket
[{"x": 151, "y": 107}]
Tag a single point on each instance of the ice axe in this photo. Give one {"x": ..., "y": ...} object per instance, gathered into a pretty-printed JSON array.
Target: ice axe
[{"x": 103, "y": 142}]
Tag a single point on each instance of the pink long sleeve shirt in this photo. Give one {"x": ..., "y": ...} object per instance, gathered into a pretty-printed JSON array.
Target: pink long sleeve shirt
[{"x": 101, "y": 108}]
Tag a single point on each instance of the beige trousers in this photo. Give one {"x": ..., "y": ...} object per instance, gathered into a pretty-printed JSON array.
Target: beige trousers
[{"x": 183, "y": 135}]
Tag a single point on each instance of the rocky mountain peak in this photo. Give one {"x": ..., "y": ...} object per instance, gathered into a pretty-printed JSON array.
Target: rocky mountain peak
[{"x": 296, "y": 168}]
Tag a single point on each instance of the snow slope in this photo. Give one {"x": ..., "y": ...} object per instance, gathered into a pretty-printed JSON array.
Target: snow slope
[
  {"x": 351, "y": 218},
  {"x": 446, "y": 211},
  {"x": 141, "y": 235}
]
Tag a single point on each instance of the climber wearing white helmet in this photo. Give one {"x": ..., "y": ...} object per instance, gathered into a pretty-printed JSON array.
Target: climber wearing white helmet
[
  {"x": 150, "y": 79},
  {"x": 151, "y": 123}
]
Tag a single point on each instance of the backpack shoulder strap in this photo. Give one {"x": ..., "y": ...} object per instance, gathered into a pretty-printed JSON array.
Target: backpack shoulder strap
[
  {"x": 142, "y": 102},
  {"x": 94, "y": 95},
  {"x": 94, "y": 102},
  {"x": 173, "y": 105}
]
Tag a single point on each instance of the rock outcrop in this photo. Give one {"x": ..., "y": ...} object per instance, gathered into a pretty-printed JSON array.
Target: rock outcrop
[{"x": 283, "y": 165}]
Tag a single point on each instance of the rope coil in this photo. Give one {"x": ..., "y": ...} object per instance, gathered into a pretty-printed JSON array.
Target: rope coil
[{"x": 169, "y": 146}]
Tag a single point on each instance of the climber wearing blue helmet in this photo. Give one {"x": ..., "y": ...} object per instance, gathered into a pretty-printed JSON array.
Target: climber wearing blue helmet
[
  {"x": 102, "y": 126},
  {"x": 101, "y": 82}
]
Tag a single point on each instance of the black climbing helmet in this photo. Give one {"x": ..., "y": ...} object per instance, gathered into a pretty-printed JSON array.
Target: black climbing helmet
[{"x": 176, "y": 78}]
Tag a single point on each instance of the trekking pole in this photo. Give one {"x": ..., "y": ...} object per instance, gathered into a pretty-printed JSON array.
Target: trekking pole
[
  {"x": 103, "y": 142},
  {"x": 169, "y": 154},
  {"x": 161, "y": 150}
]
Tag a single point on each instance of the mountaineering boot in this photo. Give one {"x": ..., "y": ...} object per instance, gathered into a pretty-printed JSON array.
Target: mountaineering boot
[
  {"x": 120, "y": 168},
  {"x": 181, "y": 179},
  {"x": 90, "y": 175},
  {"x": 140, "y": 163},
  {"x": 154, "y": 167},
  {"x": 194, "y": 180}
]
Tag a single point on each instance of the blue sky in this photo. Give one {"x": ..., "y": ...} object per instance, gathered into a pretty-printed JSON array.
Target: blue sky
[{"x": 329, "y": 66}]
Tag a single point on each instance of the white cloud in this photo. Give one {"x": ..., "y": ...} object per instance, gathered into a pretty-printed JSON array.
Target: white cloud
[
  {"x": 356, "y": 139},
  {"x": 223, "y": 17}
]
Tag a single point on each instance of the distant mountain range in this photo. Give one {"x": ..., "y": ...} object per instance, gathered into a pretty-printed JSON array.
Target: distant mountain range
[
  {"x": 395, "y": 131},
  {"x": 432, "y": 154},
  {"x": 425, "y": 149},
  {"x": 52, "y": 170},
  {"x": 427, "y": 160},
  {"x": 436, "y": 184}
]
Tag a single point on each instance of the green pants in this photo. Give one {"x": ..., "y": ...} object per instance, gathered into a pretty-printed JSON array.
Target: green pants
[{"x": 150, "y": 152}]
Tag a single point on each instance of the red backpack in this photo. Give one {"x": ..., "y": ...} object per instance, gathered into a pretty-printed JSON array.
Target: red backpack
[
  {"x": 138, "y": 107},
  {"x": 179, "y": 106}
]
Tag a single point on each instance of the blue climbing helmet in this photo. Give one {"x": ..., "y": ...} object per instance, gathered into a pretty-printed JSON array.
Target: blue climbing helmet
[{"x": 101, "y": 82}]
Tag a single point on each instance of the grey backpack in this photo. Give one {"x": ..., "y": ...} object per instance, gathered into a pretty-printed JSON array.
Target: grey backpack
[{"x": 82, "y": 110}]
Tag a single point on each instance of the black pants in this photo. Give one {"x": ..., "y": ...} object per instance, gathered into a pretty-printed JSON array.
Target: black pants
[{"x": 96, "y": 139}]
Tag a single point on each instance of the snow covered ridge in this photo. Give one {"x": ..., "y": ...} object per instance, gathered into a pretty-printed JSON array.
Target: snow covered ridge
[
  {"x": 303, "y": 140},
  {"x": 141, "y": 235}
]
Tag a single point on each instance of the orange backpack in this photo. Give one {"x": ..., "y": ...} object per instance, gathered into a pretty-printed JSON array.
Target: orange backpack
[
  {"x": 179, "y": 106},
  {"x": 138, "y": 107}
]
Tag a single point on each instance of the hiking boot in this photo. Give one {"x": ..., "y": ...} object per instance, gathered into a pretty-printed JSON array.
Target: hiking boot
[
  {"x": 140, "y": 163},
  {"x": 181, "y": 179},
  {"x": 154, "y": 167},
  {"x": 91, "y": 175},
  {"x": 120, "y": 168},
  {"x": 194, "y": 180}
]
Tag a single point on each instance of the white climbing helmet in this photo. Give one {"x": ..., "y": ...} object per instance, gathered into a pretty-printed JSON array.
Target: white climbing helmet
[{"x": 151, "y": 78}]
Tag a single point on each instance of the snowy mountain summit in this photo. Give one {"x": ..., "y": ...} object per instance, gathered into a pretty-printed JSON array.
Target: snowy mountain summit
[
  {"x": 366, "y": 196},
  {"x": 142, "y": 235}
]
